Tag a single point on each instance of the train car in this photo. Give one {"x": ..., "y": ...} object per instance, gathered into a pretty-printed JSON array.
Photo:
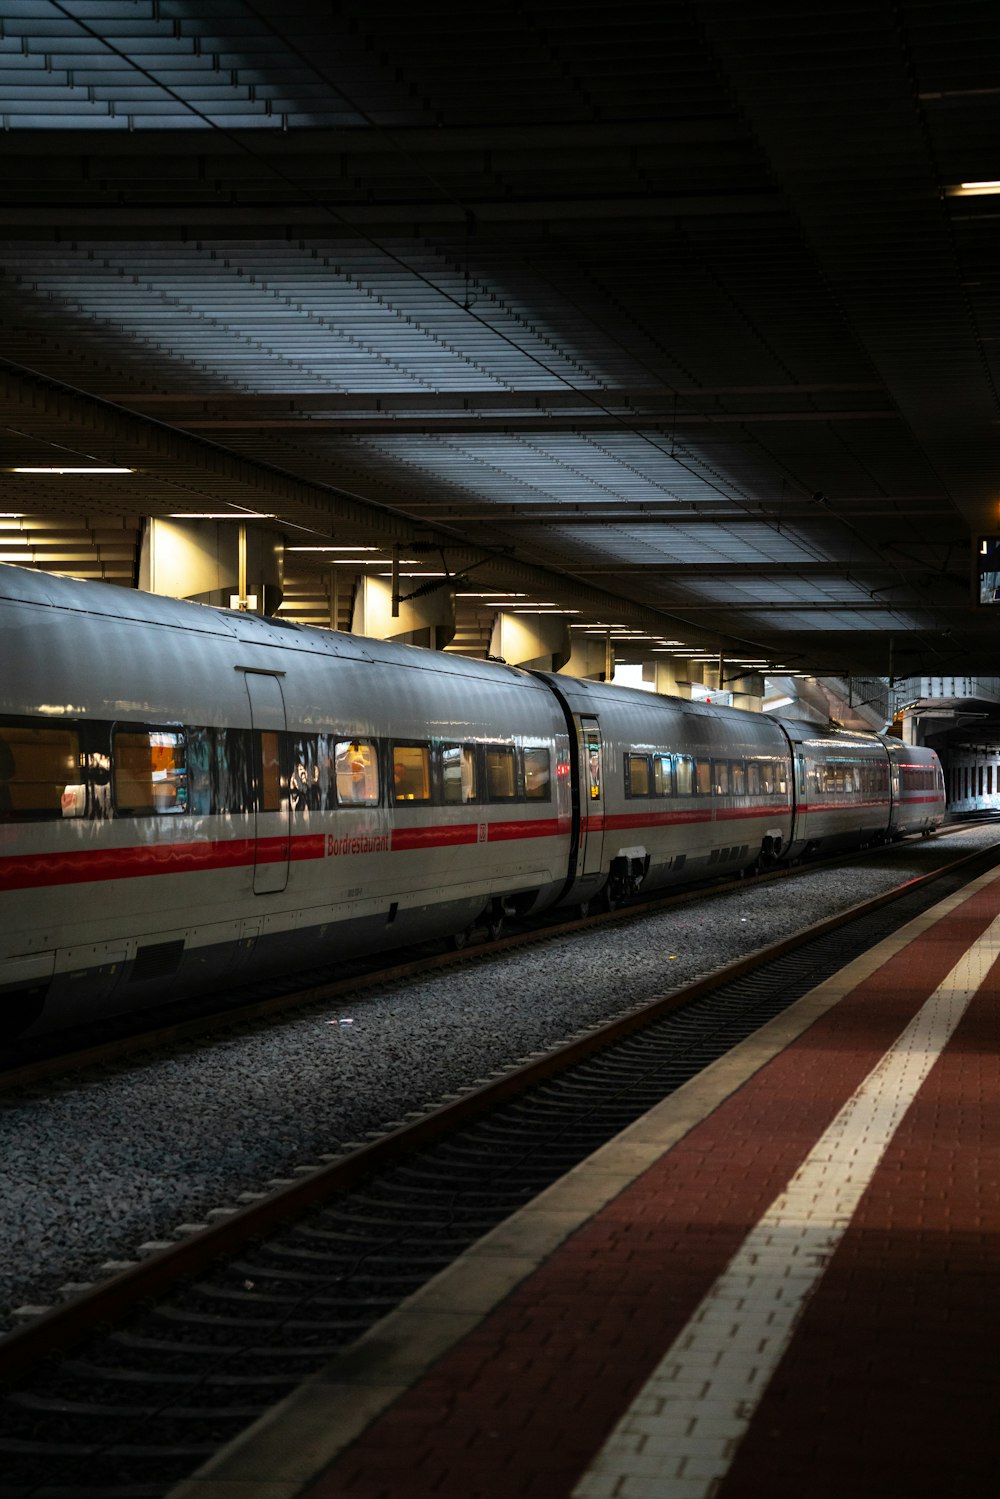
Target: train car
[
  {"x": 854, "y": 788},
  {"x": 842, "y": 788},
  {"x": 918, "y": 790},
  {"x": 671, "y": 790},
  {"x": 190, "y": 796}
]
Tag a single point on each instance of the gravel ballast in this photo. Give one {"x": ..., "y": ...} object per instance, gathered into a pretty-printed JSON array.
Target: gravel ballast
[{"x": 98, "y": 1166}]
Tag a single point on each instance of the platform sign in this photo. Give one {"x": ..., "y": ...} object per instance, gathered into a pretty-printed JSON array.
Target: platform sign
[{"x": 988, "y": 570}]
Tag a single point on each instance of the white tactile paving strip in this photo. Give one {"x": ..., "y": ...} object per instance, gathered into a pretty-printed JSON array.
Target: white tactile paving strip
[{"x": 679, "y": 1436}]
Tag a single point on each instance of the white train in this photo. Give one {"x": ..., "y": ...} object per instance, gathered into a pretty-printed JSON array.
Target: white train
[{"x": 191, "y": 797}]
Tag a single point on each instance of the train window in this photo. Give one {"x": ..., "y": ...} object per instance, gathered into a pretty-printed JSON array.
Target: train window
[
  {"x": 41, "y": 773},
  {"x": 200, "y": 757},
  {"x": 663, "y": 775},
  {"x": 774, "y": 778},
  {"x": 537, "y": 786},
  {"x": 989, "y": 780},
  {"x": 753, "y": 778},
  {"x": 270, "y": 771},
  {"x": 737, "y": 778},
  {"x": 684, "y": 774},
  {"x": 458, "y": 772},
  {"x": 308, "y": 772},
  {"x": 150, "y": 772},
  {"x": 592, "y": 744},
  {"x": 703, "y": 777},
  {"x": 232, "y": 789},
  {"x": 837, "y": 778},
  {"x": 636, "y": 775},
  {"x": 720, "y": 777},
  {"x": 411, "y": 773},
  {"x": 501, "y": 779},
  {"x": 356, "y": 762}
]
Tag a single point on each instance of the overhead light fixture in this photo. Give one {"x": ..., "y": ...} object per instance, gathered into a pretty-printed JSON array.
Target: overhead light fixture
[
  {"x": 218, "y": 515},
  {"x": 91, "y": 469},
  {"x": 335, "y": 549},
  {"x": 973, "y": 189}
]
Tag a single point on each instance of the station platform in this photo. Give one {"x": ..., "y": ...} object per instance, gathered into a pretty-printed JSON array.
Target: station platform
[{"x": 783, "y": 1281}]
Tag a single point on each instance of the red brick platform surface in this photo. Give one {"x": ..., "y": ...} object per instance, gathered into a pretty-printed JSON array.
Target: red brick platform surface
[{"x": 890, "y": 1384}]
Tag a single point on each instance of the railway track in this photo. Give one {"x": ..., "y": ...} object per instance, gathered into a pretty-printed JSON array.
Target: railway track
[
  {"x": 128, "y": 1388},
  {"x": 23, "y": 1065}
]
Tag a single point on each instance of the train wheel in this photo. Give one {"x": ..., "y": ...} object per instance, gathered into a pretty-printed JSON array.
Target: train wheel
[
  {"x": 583, "y": 909},
  {"x": 458, "y": 940},
  {"x": 495, "y": 924}
]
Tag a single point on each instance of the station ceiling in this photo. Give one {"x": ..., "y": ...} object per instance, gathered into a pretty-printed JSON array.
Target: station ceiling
[{"x": 673, "y": 312}]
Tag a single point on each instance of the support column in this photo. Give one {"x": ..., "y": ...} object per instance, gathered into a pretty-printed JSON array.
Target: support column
[
  {"x": 587, "y": 658},
  {"x": 428, "y": 621},
  {"x": 748, "y": 692},
  {"x": 666, "y": 677},
  {"x": 541, "y": 641},
  {"x": 231, "y": 564}
]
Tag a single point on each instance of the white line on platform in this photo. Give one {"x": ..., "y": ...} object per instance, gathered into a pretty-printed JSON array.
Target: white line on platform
[{"x": 679, "y": 1436}]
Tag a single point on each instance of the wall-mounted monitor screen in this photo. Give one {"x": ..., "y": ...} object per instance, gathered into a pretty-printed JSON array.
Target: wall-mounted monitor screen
[{"x": 988, "y": 570}]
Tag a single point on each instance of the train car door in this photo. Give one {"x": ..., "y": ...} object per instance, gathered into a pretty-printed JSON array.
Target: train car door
[
  {"x": 271, "y": 843},
  {"x": 591, "y": 797}
]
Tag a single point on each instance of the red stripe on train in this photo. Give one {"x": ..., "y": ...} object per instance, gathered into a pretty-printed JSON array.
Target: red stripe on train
[{"x": 86, "y": 866}]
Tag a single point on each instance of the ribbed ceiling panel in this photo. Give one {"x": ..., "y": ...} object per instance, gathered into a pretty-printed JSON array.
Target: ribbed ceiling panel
[{"x": 636, "y": 297}]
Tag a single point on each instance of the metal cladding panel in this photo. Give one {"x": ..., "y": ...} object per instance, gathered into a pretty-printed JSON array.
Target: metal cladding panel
[
  {"x": 147, "y": 657},
  {"x": 416, "y": 699},
  {"x": 909, "y": 754},
  {"x": 65, "y": 663},
  {"x": 628, "y": 714},
  {"x": 817, "y": 741},
  {"x": 106, "y": 600}
]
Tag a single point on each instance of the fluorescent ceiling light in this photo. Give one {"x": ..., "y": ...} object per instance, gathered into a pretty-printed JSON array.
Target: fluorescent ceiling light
[
  {"x": 973, "y": 189},
  {"x": 218, "y": 515},
  {"x": 91, "y": 469},
  {"x": 335, "y": 549}
]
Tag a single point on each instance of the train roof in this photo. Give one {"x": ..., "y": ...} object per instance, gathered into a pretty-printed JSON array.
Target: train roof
[{"x": 118, "y": 604}]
